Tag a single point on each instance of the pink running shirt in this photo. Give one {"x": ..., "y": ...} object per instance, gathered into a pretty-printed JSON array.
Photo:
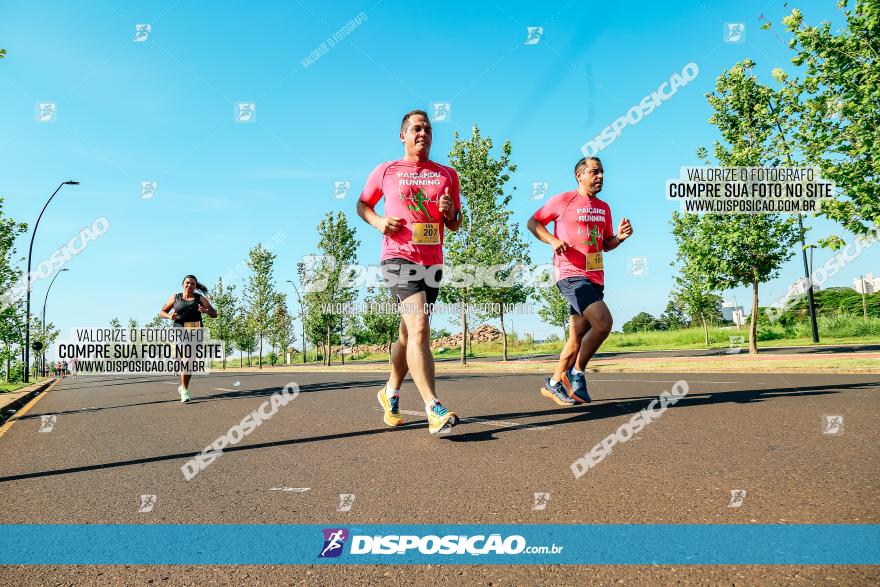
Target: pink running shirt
[
  {"x": 411, "y": 191},
  {"x": 583, "y": 223}
]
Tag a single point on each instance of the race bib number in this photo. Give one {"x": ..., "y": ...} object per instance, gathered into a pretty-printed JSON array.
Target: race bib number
[
  {"x": 594, "y": 261},
  {"x": 426, "y": 233},
  {"x": 192, "y": 325}
]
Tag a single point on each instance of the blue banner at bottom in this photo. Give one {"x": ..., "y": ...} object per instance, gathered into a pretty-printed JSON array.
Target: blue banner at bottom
[{"x": 603, "y": 544}]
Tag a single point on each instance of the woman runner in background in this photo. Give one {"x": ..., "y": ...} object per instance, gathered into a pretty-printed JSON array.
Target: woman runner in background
[{"x": 185, "y": 310}]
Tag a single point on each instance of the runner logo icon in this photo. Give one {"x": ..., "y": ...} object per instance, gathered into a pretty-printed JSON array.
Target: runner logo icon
[{"x": 334, "y": 540}]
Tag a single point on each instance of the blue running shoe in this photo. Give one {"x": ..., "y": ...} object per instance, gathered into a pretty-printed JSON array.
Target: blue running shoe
[
  {"x": 578, "y": 384},
  {"x": 557, "y": 393}
]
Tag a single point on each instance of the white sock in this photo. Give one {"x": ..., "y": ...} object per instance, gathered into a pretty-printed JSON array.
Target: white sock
[
  {"x": 576, "y": 370},
  {"x": 391, "y": 392},
  {"x": 553, "y": 382}
]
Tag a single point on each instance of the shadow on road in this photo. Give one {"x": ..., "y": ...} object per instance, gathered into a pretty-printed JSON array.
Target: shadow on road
[
  {"x": 595, "y": 411},
  {"x": 242, "y": 394}
]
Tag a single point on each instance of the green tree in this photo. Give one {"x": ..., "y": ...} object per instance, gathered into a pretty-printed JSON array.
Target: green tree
[
  {"x": 642, "y": 322},
  {"x": 242, "y": 335},
  {"x": 695, "y": 297},
  {"x": 222, "y": 327},
  {"x": 11, "y": 316},
  {"x": 132, "y": 323},
  {"x": 282, "y": 334},
  {"x": 832, "y": 110},
  {"x": 673, "y": 317},
  {"x": 315, "y": 320},
  {"x": 156, "y": 322},
  {"x": 380, "y": 319},
  {"x": 554, "y": 308},
  {"x": 486, "y": 236},
  {"x": 438, "y": 333},
  {"x": 326, "y": 277},
  {"x": 260, "y": 294},
  {"x": 739, "y": 249},
  {"x": 45, "y": 336},
  {"x": 115, "y": 323}
]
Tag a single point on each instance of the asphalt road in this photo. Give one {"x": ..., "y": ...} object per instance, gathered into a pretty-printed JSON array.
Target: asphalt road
[{"x": 117, "y": 438}]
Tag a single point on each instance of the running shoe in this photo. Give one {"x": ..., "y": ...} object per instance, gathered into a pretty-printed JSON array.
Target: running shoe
[
  {"x": 391, "y": 407},
  {"x": 578, "y": 387},
  {"x": 557, "y": 393},
  {"x": 184, "y": 394},
  {"x": 441, "y": 420}
]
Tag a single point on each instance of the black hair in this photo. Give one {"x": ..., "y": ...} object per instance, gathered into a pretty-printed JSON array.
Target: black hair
[
  {"x": 404, "y": 124},
  {"x": 579, "y": 166},
  {"x": 199, "y": 285}
]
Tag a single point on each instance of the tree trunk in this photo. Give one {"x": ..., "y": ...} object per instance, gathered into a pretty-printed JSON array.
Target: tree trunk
[
  {"x": 464, "y": 334},
  {"x": 753, "y": 326},
  {"x": 705, "y": 329},
  {"x": 504, "y": 336},
  {"x": 261, "y": 352},
  {"x": 240, "y": 358},
  {"x": 327, "y": 357},
  {"x": 389, "y": 348}
]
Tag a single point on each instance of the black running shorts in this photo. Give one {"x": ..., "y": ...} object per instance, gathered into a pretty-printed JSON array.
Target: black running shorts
[
  {"x": 412, "y": 279},
  {"x": 580, "y": 292}
]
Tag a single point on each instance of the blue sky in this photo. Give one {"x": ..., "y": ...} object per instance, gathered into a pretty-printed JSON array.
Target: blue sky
[{"x": 162, "y": 110}]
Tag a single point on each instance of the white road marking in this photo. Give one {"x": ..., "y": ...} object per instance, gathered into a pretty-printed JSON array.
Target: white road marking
[
  {"x": 223, "y": 389},
  {"x": 293, "y": 489},
  {"x": 590, "y": 379}
]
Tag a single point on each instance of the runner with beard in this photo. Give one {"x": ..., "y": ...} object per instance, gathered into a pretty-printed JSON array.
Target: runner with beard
[{"x": 582, "y": 232}]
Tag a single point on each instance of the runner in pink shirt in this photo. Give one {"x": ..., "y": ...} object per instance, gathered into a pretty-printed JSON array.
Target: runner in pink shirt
[
  {"x": 582, "y": 232},
  {"x": 421, "y": 201}
]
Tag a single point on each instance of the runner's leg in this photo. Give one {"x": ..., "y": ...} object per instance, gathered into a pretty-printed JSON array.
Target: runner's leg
[
  {"x": 399, "y": 366},
  {"x": 599, "y": 317},
  {"x": 418, "y": 350},
  {"x": 577, "y": 326}
]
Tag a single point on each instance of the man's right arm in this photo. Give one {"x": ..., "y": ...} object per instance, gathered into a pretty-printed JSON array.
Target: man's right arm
[
  {"x": 541, "y": 232},
  {"x": 366, "y": 212},
  {"x": 384, "y": 224}
]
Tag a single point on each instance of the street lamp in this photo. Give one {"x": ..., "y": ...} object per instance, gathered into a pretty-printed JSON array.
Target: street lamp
[
  {"x": 302, "y": 318},
  {"x": 27, "y": 326},
  {"x": 44, "y": 314},
  {"x": 813, "y": 326}
]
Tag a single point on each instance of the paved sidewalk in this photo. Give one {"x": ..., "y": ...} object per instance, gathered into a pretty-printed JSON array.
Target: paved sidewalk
[{"x": 13, "y": 400}]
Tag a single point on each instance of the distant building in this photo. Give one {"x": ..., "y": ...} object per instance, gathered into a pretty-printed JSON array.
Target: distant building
[
  {"x": 732, "y": 313},
  {"x": 800, "y": 287},
  {"x": 867, "y": 285}
]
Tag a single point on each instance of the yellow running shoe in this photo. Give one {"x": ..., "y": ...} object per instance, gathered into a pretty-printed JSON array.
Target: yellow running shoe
[
  {"x": 441, "y": 420},
  {"x": 391, "y": 407}
]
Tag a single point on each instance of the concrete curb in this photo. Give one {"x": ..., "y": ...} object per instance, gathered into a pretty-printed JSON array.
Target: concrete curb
[{"x": 23, "y": 397}]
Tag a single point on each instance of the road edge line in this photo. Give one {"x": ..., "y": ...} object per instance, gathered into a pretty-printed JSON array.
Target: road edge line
[{"x": 24, "y": 410}]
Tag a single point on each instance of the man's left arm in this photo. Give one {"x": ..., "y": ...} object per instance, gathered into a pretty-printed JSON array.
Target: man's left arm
[
  {"x": 624, "y": 231},
  {"x": 450, "y": 205}
]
